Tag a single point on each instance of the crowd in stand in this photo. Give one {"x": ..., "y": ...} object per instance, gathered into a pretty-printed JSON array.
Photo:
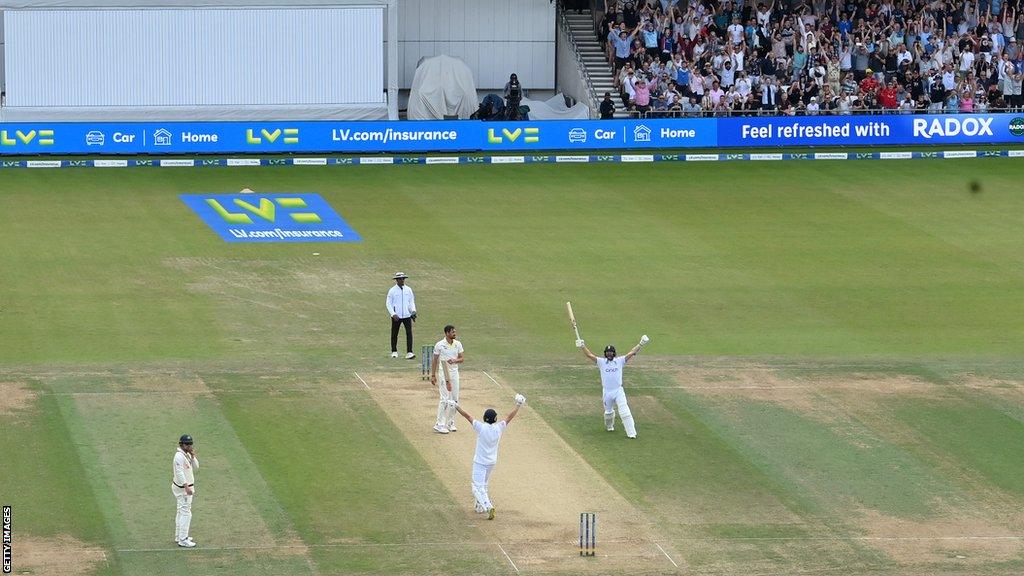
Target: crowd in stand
[{"x": 701, "y": 57}]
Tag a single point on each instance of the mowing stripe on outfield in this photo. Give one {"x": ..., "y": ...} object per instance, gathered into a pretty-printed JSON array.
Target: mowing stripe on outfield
[
  {"x": 367, "y": 386},
  {"x": 126, "y": 445}
]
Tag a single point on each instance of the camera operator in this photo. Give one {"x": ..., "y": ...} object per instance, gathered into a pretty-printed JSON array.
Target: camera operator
[{"x": 513, "y": 97}]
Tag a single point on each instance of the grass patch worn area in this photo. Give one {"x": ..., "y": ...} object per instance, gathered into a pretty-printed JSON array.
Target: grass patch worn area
[
  {"x": 364, "y": 501},
  {"x": 978, "y": 436},
  {"x": 127, "y": 441},
  {"x": 719, "y": 505},
  {"x": 56, "y": 519}
]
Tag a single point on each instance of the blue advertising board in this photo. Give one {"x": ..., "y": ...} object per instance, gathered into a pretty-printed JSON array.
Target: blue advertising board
[
  {"x": 348, "y": 137},
  {"x": 271, "y": 217},
  {"x": 111, "y": 138},
  {"x": 890, "y": 129}
]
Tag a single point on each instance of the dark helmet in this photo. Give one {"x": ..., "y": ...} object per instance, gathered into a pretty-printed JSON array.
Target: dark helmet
[
  {"x": 185, "y": 439},
  {"x": 609, "y": 348},
  {"x": 490, "y": 416}
]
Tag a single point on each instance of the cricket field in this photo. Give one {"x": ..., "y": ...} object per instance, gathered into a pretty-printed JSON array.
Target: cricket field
[{"x": 834, "y": 383}]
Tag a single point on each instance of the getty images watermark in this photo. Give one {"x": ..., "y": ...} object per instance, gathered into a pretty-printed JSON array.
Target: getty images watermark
[{"x": 7, "y": 539}]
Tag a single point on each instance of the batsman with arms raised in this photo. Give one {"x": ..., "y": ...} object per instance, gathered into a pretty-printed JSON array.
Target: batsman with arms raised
[{"x": 611, "y": 367}]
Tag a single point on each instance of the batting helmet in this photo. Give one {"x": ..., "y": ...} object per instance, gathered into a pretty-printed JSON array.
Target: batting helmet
[
  {"x": 185, "y": 439},
  {"x": 609, "y": 348},
  {"x": 490, "y": 416}
]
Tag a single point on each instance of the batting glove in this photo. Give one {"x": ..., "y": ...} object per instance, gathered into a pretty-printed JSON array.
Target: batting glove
[
  {"x": 644, "y": 339},
  {"x": 579, "y": 343},
  {"x": 520, "y": 399}
]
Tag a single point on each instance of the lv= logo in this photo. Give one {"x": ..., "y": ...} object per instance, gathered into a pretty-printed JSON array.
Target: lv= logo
[
  {"x": 291, "y": 135},
  {"x": 266, "y": 210}
]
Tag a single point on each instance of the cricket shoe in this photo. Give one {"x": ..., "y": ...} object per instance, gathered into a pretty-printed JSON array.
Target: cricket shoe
[
  {"x": 440, "y": 429},
  {"x": 394, "y": 354},
  {"x": 410, "y": 356},
  {"x": 186, "y": 543},
  {"x": 478, "y": 508},
  {"x": 490, "y": 514},
  {"x": 452, "y": 428},
  {"x": 612, "y": 429}
]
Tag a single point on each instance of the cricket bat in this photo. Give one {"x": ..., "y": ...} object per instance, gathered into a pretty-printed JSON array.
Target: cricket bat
[
  {"x": 572, "y": 319},
  {"x": 447, "y": 374}
]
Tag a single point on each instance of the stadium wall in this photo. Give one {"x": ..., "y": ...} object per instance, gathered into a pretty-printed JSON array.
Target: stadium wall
[
  {"x": 493, "y": 37},
  {"x": 178, "y": 60},
  {"x": 470, "y": 135},
  {"x": 2, "y": 57}
]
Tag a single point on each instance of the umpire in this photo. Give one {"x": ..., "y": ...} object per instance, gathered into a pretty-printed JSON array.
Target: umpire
[{"x": 401, "y": 306}]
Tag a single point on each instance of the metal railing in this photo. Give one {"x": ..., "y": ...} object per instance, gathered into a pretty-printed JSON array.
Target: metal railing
[
  {"x": 634, "y": 114},
  {"x": 581, "y": 66}
]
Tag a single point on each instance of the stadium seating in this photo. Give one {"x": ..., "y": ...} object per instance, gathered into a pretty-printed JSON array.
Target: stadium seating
[{"x": 800, "y": 57}]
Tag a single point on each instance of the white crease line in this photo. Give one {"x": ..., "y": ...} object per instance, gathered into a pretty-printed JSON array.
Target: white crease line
[
  {"x": 300, "y": 546},
  {"x": 361, "y": 380},
  {"x": 509, "y": 558},
  {"x": 666, "y": 555},
  {"x": 492, "y": 379},
  {"x": 201, "y": 392}
]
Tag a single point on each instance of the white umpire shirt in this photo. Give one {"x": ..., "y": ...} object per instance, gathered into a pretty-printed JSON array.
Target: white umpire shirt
[{"x": 400, "y": 301}]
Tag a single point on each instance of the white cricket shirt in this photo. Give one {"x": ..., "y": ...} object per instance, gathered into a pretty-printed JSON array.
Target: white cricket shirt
[
  {"x": 487, "y": 437},
  {"x": 400, "y": 301},
  {"x": 447, "y": 351},
  {"x": 611, "y": 372},
  {"x": 184, "y": 468}
]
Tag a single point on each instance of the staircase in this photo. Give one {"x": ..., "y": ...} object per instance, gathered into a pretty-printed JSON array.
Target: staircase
[{"x": 598, "y": 69}]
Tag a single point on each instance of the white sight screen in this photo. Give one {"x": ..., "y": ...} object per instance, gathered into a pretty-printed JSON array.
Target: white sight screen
[{"x": 194, "y": 57}]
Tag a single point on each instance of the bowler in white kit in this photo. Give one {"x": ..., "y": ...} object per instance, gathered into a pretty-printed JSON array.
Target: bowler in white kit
[
  {"x": 610, "y": 367},
  {"x": 450, "y": 351},
  {"x": 486, "y": 456}
]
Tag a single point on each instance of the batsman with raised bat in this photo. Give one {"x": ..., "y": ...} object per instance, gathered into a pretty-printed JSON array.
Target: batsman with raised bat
[{"x": 610, "y": 367}]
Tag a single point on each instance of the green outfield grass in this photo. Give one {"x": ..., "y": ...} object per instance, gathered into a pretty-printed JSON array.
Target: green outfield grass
[{"x": 835, "y": 382}]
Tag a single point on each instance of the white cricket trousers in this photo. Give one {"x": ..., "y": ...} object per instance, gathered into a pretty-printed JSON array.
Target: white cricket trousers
[
  {"x": 481, "y": 477},
  {"x": 183, "y": 519},
  {"x": 445, "y": 413},
  {"x": 616, "y": 401}
]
